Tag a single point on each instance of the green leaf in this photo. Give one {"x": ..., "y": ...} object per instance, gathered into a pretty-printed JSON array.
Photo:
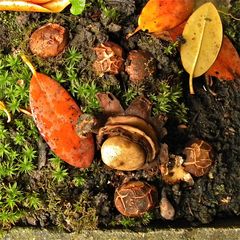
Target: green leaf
[
  {"x": 77, "y": 6},
  {"x": 203, "y": 34}
]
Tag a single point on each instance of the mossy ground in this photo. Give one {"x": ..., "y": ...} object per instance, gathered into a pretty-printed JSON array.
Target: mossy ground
[{"x": 39, "y": 189}]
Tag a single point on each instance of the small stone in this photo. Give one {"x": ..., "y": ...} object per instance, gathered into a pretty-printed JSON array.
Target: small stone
[{"x": 166, "y": 209}]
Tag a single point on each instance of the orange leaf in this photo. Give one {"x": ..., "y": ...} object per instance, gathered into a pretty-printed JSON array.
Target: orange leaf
[
  {"x": 227, "y": 64},
  {"x": 176, "y": 32},
  {"x": 37, "y": 1},
  {"x": 172, "y": 34},
  {"x": 9, "y": 5},
  {"x": 56, "y": 5},
  {"x": 46, "y": 6},
  {"x": 56, "y": 114},
  {"x": 161, "y": 15}
]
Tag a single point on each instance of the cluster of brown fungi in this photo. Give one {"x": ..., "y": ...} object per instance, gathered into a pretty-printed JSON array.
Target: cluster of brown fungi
[{"x": 130, "y": 139}]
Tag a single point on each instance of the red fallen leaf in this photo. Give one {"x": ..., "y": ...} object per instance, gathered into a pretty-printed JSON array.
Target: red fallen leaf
[
  {"x": 55, "y": 114},
  {"x": 158, "y": 16},
  {"x": 176, "y": 32},
  {"x": 227, "y": 64},
  {"x": 172, "y": 34}
]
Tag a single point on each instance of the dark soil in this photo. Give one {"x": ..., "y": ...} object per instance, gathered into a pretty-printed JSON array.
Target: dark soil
[{"x": 215, "y": 119}]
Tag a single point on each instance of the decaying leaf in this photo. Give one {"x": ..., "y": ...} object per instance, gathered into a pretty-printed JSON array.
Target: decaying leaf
[
  {"x": 161, "y": 15},
  {"x": 109, "y": 103},
  {"x": 227, "y": 64},
  {"x": 203, "y": 34},
  {"x": 46, "y": 6},
  {"x": 56, "y": 114}
]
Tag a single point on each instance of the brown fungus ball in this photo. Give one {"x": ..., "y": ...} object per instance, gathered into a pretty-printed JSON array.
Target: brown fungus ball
[
  {"x": 199, "y": 157},
  {"x": 135, "y": 198},
  {"x": 109, "y": 59},
  {"x": 48, "y": 40},
  {"x": 141, "y": 65}
]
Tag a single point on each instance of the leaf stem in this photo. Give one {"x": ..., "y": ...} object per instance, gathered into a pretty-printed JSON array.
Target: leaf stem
[
  {"x": 132, "y": 33},
  {"x": 191, "y": 84},
  {"x": 29, "y": 64}
]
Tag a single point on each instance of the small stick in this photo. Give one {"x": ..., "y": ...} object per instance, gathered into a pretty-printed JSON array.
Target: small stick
[
  {"x": 3, "y": 108},
  {"x": 230, "y": 15}
]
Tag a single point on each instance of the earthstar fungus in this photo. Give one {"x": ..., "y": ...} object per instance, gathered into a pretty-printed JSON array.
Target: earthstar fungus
[
  {"x": 128, "y": 140},
  {"x": 171, "y": 168},
  {"x": 167, "y": 211},
  {"x": 109, "y": 58},
  {"x": 199, "y": 157}
]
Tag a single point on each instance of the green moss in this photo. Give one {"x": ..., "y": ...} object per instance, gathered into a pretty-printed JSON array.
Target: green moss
[
  {"x": 8, "y": 31},
  {"x": 167, "y": 100},
  {"x": 73, "y": 214},
  {"x": 87, "y": 214},
  {"x": 110, "y": 13},
  {"x": 18, "y": 142},
  {"x": 13, "y": 204},
  {"x": 131, "y": 222}
]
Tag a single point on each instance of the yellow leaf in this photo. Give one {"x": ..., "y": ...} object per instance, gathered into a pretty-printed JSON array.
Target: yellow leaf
[{"x": 203, "y": 34}]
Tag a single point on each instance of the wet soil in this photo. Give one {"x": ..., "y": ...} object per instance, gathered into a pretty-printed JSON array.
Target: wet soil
[{"x": 215, "y": 119}]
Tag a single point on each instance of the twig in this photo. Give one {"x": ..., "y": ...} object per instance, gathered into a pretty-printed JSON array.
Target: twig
[
  {"x": 42, "y": 153},
  {"x": 230, "y": 15}
]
